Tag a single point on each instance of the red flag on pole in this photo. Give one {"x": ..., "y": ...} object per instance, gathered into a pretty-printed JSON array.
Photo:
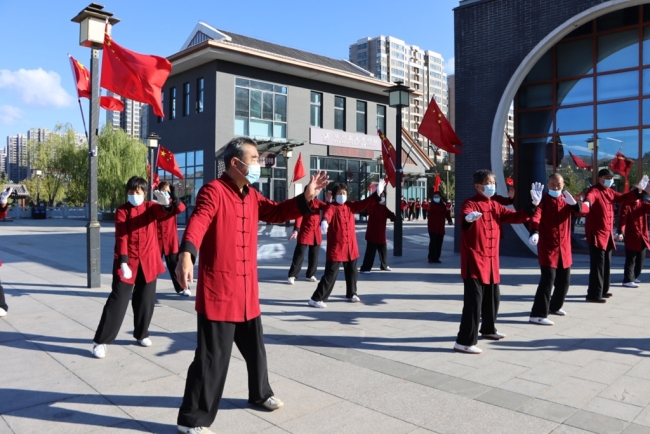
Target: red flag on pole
[
  {"x": 156, "y": 178},
  {"x": 437, "y": 128},
  {"x": 580, "y": 164},
  {"x": 298, "y": 169},
  {"x": 167, "y": 161},
  {"x": 134, "y": 76},
  {"x": 389, "y": 156},
  {"x": 436, "y": 184},
  {"x": 110, "y": 103},
  {"x": 621, "y": 164},
  {"x": 81, "y": 78}
]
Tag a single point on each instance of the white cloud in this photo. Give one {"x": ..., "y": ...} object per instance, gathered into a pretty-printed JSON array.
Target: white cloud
[
  {"x": 450, "y": 66},
  {"x": 9, "y": 114},
  {"x": 36, "y": 87}
]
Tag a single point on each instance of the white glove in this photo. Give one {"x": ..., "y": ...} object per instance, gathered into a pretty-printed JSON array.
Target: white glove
[
  {"x": 643, "y": 184},
  {"x": 570, "y": 200},
  {"x": 381, "y": 186},
  {"x": 534, "y": 239},
  {"x": 4, "y": 197},
  {"x": 126, "y": 271},
  {"x": 620, "y": 237},
  {"x": 160, "y": 198},
  {"x": 473, "y": 216},
  {"x": 324, "y": 226},
  {"x": 536, "y": 192}
]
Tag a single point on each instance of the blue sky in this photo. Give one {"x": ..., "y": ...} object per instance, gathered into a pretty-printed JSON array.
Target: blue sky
[{"x": 36, "y": 88}]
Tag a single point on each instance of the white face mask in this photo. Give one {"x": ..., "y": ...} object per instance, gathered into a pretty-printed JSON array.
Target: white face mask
[
  {"x": 136, "y": 199},
  {"x": 489, "y": 190},
  {"x": 341, "y": 198},
  {"x": 382, "y": 200}
]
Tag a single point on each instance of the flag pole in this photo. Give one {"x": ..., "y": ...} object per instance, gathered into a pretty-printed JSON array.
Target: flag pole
[
  {"x": 74, "y": 76},
  {"x": 83, "y": 119}
]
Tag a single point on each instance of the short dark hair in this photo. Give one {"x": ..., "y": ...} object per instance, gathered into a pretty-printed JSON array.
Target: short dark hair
[
  {"x": 437, "y": 193},
  {"x": 605, "y": 172},
  {"x": 163, "y": 184},
  {"x": 136, "y": 182},
  {"x": 480, "y": 175},
  {"x": 338, "y": 186},
  {"x": 235, "y": 149}
]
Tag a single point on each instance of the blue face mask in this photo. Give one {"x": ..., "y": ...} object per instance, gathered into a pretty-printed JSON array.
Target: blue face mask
[
  {"x": 608, "y": 183},
  {"x": 555, "y": 193},
  {"x": 254, "y": 171},
  {"x": 436, "y": 199},
  {"x": 136, "y": 199},
  {"x": 489, "y": 190}
]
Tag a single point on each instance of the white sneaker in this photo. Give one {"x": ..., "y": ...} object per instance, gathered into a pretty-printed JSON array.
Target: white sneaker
[
  {"x": 146, "y": 342},
  {"x": 540, "y": 321},
  {"x": 311, "y": 279},
  {"x": 354, "y": 299},
  {"x": 291, "y": 280},
  {"x": 467, "y": 350},
  {"x": 630, "y": 285},
  {"x": 195, "y": 430},
  {"x": 496, "y": 336},
  {"x": 365, "y": 272},
  {"x": 317, "y": 304},
  {"x": 185, "y": 293},
  {"x": 637, "y": 281},
  {"x": 273, "y": 403},
  {"x": 99, "y": 351},
  {"x": 559, "y": 312},
  {"x": 387, "y": 269},
  {"x": 3, "y": 312}
]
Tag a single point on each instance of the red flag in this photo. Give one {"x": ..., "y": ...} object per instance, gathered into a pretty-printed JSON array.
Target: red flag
[
  {"x": 81, "y": 78},
  {"x": 621, "y": 164},
  {"x": 167, "y": 161},
  {"x": 510, "y": 182},
  {"x": 156, "y": 178},
  {"x": 436, "y": 183},
  {"x": 437, "y": 128},
  {"x": 579, "y": 163},
  {"x": 134, "y": 76},
  {"x": 389, "y": 156},
  {"x": 298, "y": 169},
  {"x": 110, "y": 103}
]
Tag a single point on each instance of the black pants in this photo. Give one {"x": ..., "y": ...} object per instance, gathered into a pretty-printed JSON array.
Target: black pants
[
  {"x": 144, "y": 299},
  {"x": 480, "y": 301},
  {"x": 3, "y": 303},
  {"x": 369, "y": 257},
  {"x": 299, "y": 254},
  {"x": 206, "y": 375},
  {"x": 448, "y": 216},
  {"x": 411, "y": 214},
  {"x": 435, "y": 246},
  {"x": 559, "y": 278},
  {"x": 424, "y": 214},
  {"x": 633, "y": 265},
  {"x": 326, "y": 284},
  {"x": 172, "y": 261},
  {"x": 599, "y": 265}
]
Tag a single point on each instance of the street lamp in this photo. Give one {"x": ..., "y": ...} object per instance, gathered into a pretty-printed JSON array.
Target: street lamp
[
  {"x": 152, "y": 144},
  {"x": 93, "y": 22},
  {"x": 398, "y": 97},
  {"x": 38, "y": 174},
  {"x": 447, "y": 168}
]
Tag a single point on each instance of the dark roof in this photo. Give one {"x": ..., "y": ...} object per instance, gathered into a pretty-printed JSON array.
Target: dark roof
[
  {"x": 281, "y": 50},
  {"x": 19, "y": 190}
]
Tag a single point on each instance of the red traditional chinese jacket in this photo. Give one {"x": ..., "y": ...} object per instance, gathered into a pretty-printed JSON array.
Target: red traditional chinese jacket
[
  {"x": 376, "y": 229},
  {"x": 341, "y": 235},
  {"x": 634, "y": 225}
]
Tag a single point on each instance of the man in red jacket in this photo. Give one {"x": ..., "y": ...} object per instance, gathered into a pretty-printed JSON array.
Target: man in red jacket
[
  {"x": 307, "y": 231},
  {"x": 599, "y": 226},
  {"x": 481, "y": 218},
  {"x": 376, "y": 236},
  {"x": 168, "y": 235},
  {"x": 223, "y": 228},
  {"x": 426, "y": 203},
  {"x": 136, "y": 266},
  {"x": 4, "y": 208},
  {"x": 342, "y": 243},
  {"x": 436, "y": 227},
  {"x": 633, "y": 227},
  {"x": 550, "y": 230}
]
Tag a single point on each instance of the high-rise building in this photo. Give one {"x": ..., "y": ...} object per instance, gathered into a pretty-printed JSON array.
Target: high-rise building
[
  {"x": 17, "y": 164},
  {"x": 509, "y": 130},
  {"x": 3, "y": 161},
  {"x": 144, "y": 122},
  {"x": 129, "y": 119},
  {"x": 391, "y": 59}
]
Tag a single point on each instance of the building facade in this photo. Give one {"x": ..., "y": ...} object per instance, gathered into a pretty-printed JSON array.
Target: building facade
[
  {"x": 129, "y": 119},
  {"x": 17, "y": 164},
  {"x": 3, "y": 162},
  {"x": 578, "y": 79},
  {"x": 292, "y": 102},
  {"x": 391, "y": 59}
]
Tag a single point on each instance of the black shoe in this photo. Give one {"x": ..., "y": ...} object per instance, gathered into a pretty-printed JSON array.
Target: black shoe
[
  {"x": 596, "y": 300},
  {"x": 607, "y": 295}
]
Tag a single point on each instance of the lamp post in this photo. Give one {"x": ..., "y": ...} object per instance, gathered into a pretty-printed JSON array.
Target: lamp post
[
  {"x": 38, "y": 174},
  {"x": 93, "y": 22},
  {"x": 447, "y": 168},
  {"x": 287, "y": 153},
  {"x": 592, "y": 145},
  {"x": 398, "y": 97},
  {"x": 152, "y": 145}
]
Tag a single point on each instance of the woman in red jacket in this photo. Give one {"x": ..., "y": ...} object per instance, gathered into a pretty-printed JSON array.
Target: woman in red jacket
[
  {"x": 136, "y": 266},
  {"x": 436, "y": 227},
  {"x": 307, "y": 231},
  {"x": 168, "y": 235},
  {"x": 633, "y": 226},
  {"x": 376, "y": 236},
  {"x": 426, "y": 203},
  {"x": 342, "y": 243},
  {"x": 4, "y": 197}
]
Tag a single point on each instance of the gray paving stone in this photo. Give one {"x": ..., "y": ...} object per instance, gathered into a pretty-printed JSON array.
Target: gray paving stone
[
  {"x": 596, "y": 422},
  {"x": 615, "y": 409},
  {"x": 428, "y": 378},
  {"x": 547, "y": 410},
  {"x": 503, "y": 398},
  {"x": 636, "y": 429},
  {"x": 573, "y": 392},
  {"x": 523, "y": 387},
  {"x": 468, "y": 389},
  {"x": 629, "y": 390}
]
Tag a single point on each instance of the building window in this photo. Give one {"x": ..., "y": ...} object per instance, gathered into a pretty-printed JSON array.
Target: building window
[
  {"x": 362, "y": 124},
  {"x": 172, "y": 103},
  {"x": 381, "y": 118},
  {"x": 162, "y": 104},
  {"x": 199, "y": 95},
  {"x": 191, "y": 166},
  {"x": 186, "y": 99},
  {"x": 316, "y": 110},
  {"x": 339, "y": 113},
  {"x": 260, "y": 109}
]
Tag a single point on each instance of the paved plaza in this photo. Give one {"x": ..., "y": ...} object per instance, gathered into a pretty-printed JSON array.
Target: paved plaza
[{"x": 382, "y": 366}]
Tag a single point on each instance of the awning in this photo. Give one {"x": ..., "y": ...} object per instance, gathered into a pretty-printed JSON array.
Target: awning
[
  {"x": 20, "y": 191},
  {"x": 275, "y": 145}
]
